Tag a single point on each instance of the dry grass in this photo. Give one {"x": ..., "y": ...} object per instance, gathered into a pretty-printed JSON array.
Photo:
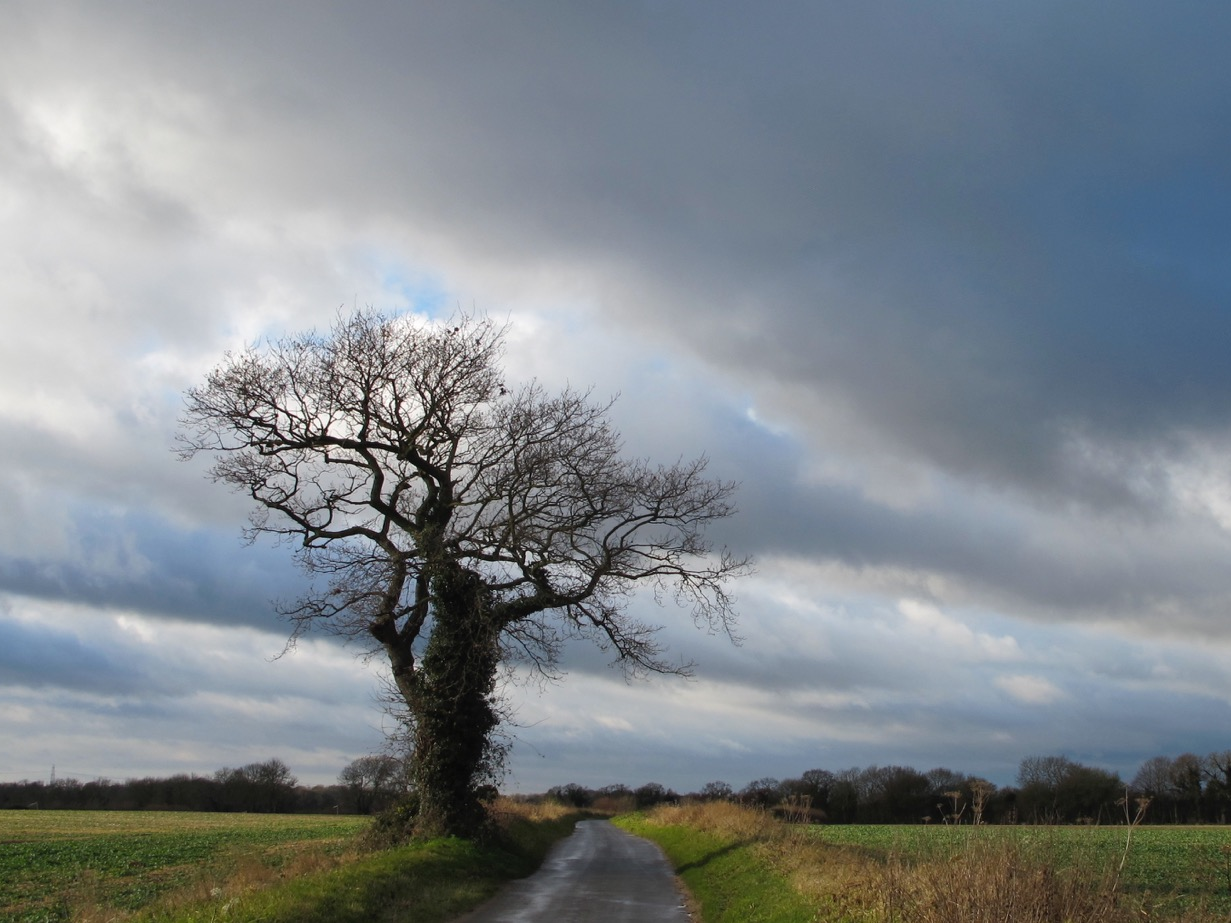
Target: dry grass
[
  {"x": 995, "y": 882},
  {"x": 721, "y": 818},
  {"x": 988, "y": 876},
  {"x": 506, "y": 808}
]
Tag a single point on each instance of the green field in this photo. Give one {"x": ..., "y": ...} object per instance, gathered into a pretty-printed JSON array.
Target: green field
[{"x": 55, "y": 863}]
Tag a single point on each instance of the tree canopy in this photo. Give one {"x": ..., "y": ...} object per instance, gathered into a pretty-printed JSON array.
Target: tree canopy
[{"x": 456, "y": 521}]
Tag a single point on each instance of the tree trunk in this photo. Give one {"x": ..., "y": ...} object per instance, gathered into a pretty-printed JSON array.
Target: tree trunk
[{"x": 454, "y": 708}]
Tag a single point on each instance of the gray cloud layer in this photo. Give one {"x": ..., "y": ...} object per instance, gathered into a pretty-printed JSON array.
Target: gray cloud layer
[{"x": 944, "y": 286}]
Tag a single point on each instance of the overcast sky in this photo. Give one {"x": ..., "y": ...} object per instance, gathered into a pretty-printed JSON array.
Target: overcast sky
[{"x": 946, "y": 286}]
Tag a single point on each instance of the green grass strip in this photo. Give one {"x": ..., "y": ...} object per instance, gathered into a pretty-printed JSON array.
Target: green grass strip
[{"x": 729, "y": 879}]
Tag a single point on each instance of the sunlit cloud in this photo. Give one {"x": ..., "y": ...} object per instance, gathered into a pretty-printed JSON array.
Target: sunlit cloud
[{"x": 1030, "y": 690}]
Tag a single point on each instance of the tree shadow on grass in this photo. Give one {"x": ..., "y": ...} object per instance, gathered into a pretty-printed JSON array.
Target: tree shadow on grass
[{"x": 711, "y": 856}]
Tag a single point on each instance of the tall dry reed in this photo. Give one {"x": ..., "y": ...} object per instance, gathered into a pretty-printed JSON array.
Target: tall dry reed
[{"x": 997, "y": 881}]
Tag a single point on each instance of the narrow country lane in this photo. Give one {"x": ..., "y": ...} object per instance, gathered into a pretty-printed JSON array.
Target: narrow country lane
[{"x": 600, "y": 874}]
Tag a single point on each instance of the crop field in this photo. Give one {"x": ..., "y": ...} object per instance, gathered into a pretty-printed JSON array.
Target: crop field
[
  {"x": 66, "y": 865},
  {"x": 1171, "y": 869}
]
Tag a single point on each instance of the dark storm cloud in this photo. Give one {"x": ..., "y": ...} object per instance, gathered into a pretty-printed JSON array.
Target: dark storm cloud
[
  {"x": 980, "y": 231},
  {"x": 983, "y": 232},
  {"x": 144, "y": 564},
  {"x": 987, "y": 237},
  {"x": 36, "y": 657},
  {"x": 1124, "y": 567}
]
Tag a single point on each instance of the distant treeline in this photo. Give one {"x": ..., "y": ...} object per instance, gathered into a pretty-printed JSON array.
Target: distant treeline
[
  {"x": 1050, "y": 790},
  {"x": 267, "y": 787},
  {"x": 1186, "y": 789}
]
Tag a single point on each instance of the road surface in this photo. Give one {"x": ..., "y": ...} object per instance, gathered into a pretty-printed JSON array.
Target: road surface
[{"x": 600, "y": 874}]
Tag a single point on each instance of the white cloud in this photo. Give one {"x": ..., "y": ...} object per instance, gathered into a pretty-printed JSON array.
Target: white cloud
[
  {"x": 1030, "y": 690},
  {"x": 949, "y": 639},
  {"x": 614, "y": 723}
]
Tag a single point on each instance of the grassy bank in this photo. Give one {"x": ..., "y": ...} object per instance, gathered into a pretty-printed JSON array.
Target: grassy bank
[
  {"x": 89, "y": 867},
  {"x": 724, "y": 856},
  {"x": 742, "y": 865}
]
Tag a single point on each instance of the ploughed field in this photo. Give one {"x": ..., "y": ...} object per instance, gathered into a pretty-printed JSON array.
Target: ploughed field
[{"x": 65, "y": 865}]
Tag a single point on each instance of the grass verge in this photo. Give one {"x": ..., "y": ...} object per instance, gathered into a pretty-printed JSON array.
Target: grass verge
[{"x": 722, "y": 858}]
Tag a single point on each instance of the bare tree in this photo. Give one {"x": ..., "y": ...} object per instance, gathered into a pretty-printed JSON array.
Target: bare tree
[
  {"x": 371, "y": 780},
  {"x": 1047, "y": 771},
  {"x": 454, "y": 522},
  {"x": 1218, "y": 784},
  {"x": 266, "y": 787},
  {"x": 1155, "y": 778},
  {"x": 716, "y": 791}
]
